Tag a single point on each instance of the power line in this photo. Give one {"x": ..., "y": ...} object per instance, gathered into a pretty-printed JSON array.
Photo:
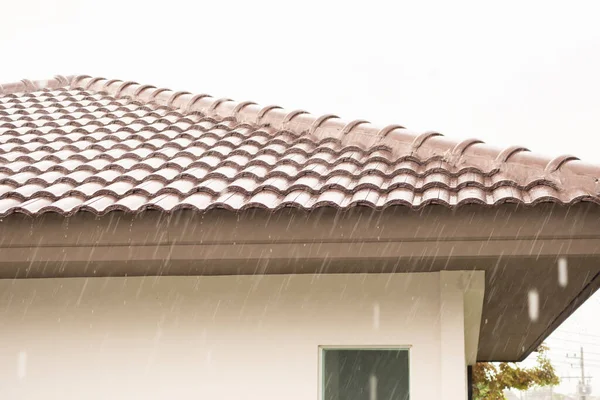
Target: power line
[
  {"x": 572, "y": 354},
  {"x": 564, "y": 349},
  {"x": 597, "y": 343},
  {"x": 579, "y": 333},
  {"x": 593, "y": 363}
]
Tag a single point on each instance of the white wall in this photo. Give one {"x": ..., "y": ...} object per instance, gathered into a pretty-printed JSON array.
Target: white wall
[{"x": 236, "y": 337}]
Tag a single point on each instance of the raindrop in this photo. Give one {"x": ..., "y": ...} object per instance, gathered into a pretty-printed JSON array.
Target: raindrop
[
  {"x": 372, "y": 387},
  {"x": 563, "y": 273},
  {"x": 534, "y": 304},
  {"x": 376, "y": 317},
  {"x": 22, "y": 364}
]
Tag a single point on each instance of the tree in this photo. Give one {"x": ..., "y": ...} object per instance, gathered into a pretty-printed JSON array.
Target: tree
[{"x": 491, "y": 379}]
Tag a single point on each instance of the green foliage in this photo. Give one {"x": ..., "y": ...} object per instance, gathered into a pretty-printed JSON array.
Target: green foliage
[{"x": 491, "y": 379}]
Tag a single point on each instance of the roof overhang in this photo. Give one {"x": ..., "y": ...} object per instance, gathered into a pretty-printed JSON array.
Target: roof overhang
[{"x": 517, "y": 247}]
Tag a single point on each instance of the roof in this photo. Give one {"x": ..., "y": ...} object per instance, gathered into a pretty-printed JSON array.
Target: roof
[{"x": 73, "y": 144}]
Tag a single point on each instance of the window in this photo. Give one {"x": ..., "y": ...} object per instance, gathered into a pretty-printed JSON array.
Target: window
[{"x": 364, "y": 374}]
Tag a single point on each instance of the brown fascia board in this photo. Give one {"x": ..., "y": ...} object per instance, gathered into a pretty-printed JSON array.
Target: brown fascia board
[
  {"x": 359, "y": 233},
  {"x": 507, "y": 229},
  {"x": 516, "y": 246}
]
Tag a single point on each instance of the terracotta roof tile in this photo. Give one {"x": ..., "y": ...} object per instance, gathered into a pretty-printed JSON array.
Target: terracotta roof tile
[{"x": 78, "y": 143}]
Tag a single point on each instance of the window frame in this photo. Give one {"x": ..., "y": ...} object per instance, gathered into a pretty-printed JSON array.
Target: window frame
[{"x": 323, "y": 348}]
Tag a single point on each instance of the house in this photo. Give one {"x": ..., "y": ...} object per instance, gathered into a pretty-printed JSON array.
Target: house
[{"x": 158, "y": 244}]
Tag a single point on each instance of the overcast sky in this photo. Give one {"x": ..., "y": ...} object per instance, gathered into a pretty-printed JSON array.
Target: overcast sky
[{"x": 515, "y": 72}]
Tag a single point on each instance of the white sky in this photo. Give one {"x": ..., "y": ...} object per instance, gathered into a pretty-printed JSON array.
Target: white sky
[{"x": 511, "y": 72}]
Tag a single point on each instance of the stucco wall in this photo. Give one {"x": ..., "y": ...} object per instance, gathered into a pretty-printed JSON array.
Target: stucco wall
[{"x": 235, "y": 337}]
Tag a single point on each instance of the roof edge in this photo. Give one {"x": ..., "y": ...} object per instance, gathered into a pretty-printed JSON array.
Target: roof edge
[
  {"x": 401, "y": 141},
  {"x": 26, "y": 85}
]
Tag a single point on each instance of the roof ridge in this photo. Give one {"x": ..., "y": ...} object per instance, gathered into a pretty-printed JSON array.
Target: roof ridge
[
  {"x": 566, "y": 169},
  {"x": 27, "y": 86}
]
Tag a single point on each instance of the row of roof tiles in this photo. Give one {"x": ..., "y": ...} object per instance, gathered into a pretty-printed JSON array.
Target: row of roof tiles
[
  {"x": 130, "y": 168},
  {"x": 273, "y": 200},
  {"x": 292, "y": 163},
  {"x": 200, "y": 179}
]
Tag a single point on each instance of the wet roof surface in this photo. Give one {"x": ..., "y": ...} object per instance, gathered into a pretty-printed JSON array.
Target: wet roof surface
[{"x": 88, "y": 144}]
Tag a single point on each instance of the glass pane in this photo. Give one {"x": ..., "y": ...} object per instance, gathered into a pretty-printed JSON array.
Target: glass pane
[{"x": 375, "y": 374}]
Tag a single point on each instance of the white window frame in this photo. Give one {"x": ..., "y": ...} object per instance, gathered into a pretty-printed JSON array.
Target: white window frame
[{"x": 323, "y": 348}]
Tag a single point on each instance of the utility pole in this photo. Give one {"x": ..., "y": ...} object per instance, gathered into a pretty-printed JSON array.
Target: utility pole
[{"x": 582, "y": 390}]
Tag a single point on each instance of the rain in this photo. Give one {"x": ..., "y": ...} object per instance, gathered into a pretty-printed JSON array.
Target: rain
[
  {"x": 399, "y": 201},
  {"x": 22, "y": 364},
  {"x": 533, "y": 304},
  {"x": 563, "y": 273}
]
